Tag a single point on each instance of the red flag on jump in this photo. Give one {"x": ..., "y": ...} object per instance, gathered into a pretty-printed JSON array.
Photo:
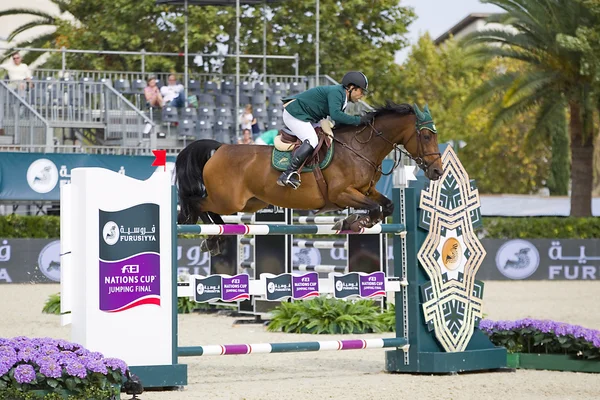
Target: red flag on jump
[{"x": 160, "y": 158}]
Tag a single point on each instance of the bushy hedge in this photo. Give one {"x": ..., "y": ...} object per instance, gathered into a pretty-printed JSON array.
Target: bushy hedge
[
  {"x": 28, "y": 226},
  {"x": 541, "y": 228},
  {"x": 48, "y": 227}
]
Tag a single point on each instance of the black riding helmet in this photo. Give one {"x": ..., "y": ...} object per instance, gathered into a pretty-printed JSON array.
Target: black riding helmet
[{"x": 357, "y": 79}]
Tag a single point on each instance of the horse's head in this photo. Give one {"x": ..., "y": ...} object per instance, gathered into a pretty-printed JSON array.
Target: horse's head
[{"x": 423, "y": 144}]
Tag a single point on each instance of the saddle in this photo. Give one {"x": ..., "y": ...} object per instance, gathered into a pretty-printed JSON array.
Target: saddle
[{"x": 322, "y": 155}]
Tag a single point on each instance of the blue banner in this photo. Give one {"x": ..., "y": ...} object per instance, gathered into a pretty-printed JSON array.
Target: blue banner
[{"x": 39, "y": 176}]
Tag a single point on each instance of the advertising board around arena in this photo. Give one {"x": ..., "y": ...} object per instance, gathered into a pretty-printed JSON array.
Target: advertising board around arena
[
  {"x": 38, "y": 177},
  {"x": 38, "y": 260}
]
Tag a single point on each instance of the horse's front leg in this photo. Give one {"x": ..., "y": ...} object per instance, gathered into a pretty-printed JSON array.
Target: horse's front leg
[
  {"x": 353, "y": 198},
  {"x": 387, "y": 206}
]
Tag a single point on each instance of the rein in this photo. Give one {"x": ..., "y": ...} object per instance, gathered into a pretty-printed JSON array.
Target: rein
[{"x": 419, "y": 159}]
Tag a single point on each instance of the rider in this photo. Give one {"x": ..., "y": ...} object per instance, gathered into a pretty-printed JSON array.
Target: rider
[{"x": 303, "y": 112}]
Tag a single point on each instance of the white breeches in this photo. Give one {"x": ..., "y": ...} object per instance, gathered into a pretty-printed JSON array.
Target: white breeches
[{"x": 303, "y": 130}]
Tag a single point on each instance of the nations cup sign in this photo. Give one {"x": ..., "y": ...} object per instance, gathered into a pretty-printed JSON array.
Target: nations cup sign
[{"x": 129, "y": 258}]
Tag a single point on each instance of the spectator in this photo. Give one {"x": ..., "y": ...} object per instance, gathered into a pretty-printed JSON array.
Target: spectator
[
  {"x": 268, "y": 137},
  {"x": 173, "y": 93},
  {"x": 152, "y": 93},
  {"x": 18, "y": 73},
  {"x": 246, "y": 137},
  {"x": 247, "y": 118}
]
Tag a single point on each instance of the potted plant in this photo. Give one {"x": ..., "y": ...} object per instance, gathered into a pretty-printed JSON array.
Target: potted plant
[
  {"x": 52, "y": 369},
  {"x": 545, "y": 344}
]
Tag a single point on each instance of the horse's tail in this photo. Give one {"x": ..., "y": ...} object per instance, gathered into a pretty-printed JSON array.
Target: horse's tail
[{"x": 189, "y": 168}]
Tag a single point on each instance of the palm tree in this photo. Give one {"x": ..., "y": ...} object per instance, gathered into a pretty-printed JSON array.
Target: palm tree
[
  {"x": 42, "y": 19},
  {"x": 552, "y": 78}
]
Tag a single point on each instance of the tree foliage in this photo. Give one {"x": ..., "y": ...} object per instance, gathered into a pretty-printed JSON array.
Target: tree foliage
[
  {"x": 354, "y": 34},
  {"x": 501, "y": 160},
  {"x": 543, "y": 35}
]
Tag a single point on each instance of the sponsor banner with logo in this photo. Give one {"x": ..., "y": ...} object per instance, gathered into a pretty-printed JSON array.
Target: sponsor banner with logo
[
  {"x": 129, "y": 257},
  {"x": 38, "y": 177},
  {"x": 38, "y": 260},
  {"x": 541, "y": 259},
  {"x": 29, "y": 261}
]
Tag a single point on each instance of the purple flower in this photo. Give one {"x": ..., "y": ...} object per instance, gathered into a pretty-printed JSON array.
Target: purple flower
[
  {"x": 24, "y": 373},
  {"x": 75, "y": 368},
  {"x": 64, "y": 345},
  {"x": 115, "y": 364},
  {"x": 51, "y": 369},
  {"x": 486, "y": 324},
  {"x": 96, "y": 366},
  {"x": 27, "y": 354},
  {"x": 8, "y": 359},
  {"x": 96, "y": 355}
]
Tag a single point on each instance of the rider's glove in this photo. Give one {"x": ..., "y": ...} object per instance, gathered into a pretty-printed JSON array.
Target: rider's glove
[{"x": 365, "y": 118}]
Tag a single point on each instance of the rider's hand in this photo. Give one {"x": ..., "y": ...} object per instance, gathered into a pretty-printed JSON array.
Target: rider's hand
[{"x": 366, "y": 118}]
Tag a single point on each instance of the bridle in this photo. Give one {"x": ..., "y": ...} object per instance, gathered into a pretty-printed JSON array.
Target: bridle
[{"x": 419, "y": 159}]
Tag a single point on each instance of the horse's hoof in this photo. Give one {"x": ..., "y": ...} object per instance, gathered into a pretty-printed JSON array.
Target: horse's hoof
[
  {"x": 359, "y": 224},
  {"x": 204, "y": 246},
  {"x": 338, "y": 226}
]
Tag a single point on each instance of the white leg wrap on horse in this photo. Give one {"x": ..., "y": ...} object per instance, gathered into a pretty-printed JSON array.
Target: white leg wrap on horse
[{"x": 302, "y": 129}]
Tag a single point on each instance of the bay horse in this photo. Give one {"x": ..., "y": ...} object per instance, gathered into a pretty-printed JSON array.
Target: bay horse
[{"x": 215, "y": 179}]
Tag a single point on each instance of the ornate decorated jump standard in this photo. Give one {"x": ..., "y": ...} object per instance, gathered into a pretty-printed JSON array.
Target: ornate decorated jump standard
[
  {"x": 441, "y": 260},
  {"x": 297, "y": 347}
]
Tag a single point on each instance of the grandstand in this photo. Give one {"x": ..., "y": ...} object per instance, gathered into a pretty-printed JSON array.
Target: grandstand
[{"x": 106, "y": 112}]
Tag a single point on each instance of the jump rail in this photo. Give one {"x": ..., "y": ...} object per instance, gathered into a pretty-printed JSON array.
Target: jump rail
[
  {"x": 219, "y": 230},
  {"x": 293, "y": 347}
]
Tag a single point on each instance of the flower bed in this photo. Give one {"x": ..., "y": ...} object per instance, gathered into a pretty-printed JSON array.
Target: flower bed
[
  {"x": 544, "y": 344},
  {"x": 56, "y": 369}
]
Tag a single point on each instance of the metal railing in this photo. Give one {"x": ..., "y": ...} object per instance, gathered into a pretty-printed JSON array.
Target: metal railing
[
  {"x": 86, "y": 104},
  {"x": 21, "y": 124},
  {"x": 143, "y": 54}
]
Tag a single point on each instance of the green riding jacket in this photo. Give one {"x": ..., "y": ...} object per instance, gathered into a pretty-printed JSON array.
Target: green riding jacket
[{"x": 320, "y": 102}]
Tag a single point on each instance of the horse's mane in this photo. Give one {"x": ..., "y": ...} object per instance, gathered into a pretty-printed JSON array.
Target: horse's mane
[{"x": 388, "y": 108}]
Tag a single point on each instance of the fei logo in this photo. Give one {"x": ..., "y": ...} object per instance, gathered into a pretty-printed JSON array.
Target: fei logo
[
  {"x": 42, "y": 175},
  {"x": 110, "y": 233},
  {"x": 517, "y": 259},
  {"x": 131, "y": 269}
]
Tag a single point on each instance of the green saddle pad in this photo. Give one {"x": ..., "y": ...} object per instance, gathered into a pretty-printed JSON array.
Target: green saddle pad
[{"x": 280, "y": 160}]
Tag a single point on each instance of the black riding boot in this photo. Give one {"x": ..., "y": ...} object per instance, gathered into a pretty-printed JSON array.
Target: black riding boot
[{"x": 291, "y": 177}]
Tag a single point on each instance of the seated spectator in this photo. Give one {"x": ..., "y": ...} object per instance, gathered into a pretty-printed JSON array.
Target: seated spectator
[
  {"x": 268, "y": 137},
  {"x": 18, "y": 73},
  {"x": 246, "y": 137},
  {"x": 173, "y": 94},
  {"x": 152, "y": 93}
]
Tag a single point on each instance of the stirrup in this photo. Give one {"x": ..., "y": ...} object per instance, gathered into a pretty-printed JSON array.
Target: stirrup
[{"x": 287, "y": 179}]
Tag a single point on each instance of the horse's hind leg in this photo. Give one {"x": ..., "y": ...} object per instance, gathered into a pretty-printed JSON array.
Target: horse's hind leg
[{"x": 211, "y": 243}]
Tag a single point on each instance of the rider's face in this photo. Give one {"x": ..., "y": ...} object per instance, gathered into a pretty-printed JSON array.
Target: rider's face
[{"x": 356, "y": 95}]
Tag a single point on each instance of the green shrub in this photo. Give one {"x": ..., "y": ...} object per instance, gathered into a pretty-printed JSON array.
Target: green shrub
[
  {"x": 388, "y": 318},
  {"x": 323, "y": 315},
  {"x": 541, "y": 228},
  {"x": 29, "y": 226},
  {"x": 52, "y": 305}
]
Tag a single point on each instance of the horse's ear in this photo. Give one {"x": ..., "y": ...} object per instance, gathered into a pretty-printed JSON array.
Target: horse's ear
[
  {"x": 417, "y": 111},
  {"x": 426, "y": 109}
]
